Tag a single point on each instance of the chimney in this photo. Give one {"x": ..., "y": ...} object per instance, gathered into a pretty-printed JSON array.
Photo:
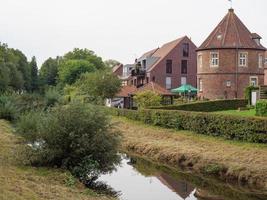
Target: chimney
[{"x": 256, "y": 38}]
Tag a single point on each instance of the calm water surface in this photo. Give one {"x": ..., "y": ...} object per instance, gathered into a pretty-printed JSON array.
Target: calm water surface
[{"x": 138, "y": 179}]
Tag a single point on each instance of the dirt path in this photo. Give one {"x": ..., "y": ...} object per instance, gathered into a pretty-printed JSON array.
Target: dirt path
[
  {"x": 235, "y": 161},
  {"x": 27, "y": 183}
]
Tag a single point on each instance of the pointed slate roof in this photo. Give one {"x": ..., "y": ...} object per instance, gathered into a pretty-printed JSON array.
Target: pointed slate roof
[{"x": 231, "y": 33}]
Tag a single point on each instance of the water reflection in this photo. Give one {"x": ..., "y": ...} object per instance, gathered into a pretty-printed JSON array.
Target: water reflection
[{"x": 138, "y": 179}]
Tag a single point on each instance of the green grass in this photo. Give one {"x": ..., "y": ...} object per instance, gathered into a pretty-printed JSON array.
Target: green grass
[
  {"x": 20, "y": 182},
  {"x": 243, "y": 113}
]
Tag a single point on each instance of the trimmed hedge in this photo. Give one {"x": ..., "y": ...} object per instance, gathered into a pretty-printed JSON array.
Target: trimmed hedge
[
  {"x": 261, "y": 108},
  {"x": 207, "y": 106},
  {"x": 228, "y": 127}
]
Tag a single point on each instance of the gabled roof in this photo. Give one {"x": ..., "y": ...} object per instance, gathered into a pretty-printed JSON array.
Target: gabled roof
[
  {"x": 128, "y": 90},
  {"x": 154, "y": 87},
  {"x": 149, "y": 53},
  {"x": 163, "y": 51},
  {"x": 231, "y": 33},
  {"x": 117, "y": 67}
]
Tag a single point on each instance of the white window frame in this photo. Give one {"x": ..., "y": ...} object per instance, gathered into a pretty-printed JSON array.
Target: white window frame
[
  {"x": 253, "y": 77},
  {"x": 183, "y": 78},
  {"x": 200, "y": 60},
  {"x": 260, "y": 60},
  {"x": 244, "y": 62},
  {"x": 228, "y": 83},
  {"x": 200, "y": 85},
  {"x": 214, "y": 61},
  {"x": 168, "y": 83}
]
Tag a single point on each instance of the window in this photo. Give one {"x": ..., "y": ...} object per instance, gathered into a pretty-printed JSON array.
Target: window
[
  {"x": 144, "y": 64},
  {"x": 168, "y": 83},
  {"x": 214, "y": 61},
  {"x": 185, "y": 49},
  {"x": 260, "y": 61},
  {"x": 228, "y": 83},
  {"x": 243, "y": 56},
  {"x": 183, "y": 80},
  {"x": 200, "y": 85},
  {"x": 253, "y": 80},
  {"x": 184, "y": 67},
  {"x": 199, "y": 60},
  {"x": 168, "y": 66}
]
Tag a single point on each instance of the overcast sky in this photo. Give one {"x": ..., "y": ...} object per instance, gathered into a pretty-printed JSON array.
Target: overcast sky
[{"x": 116, "y": 29}]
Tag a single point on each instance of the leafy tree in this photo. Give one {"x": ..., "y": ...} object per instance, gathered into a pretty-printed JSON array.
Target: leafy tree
[
  {"x": 71, "y": 70},
  {"x": 146, "y": 99},
  {"x": 34, "y": 74},
  {"x": 78, "y": 137},
  {"x": 111, "y": 63},
  {"x": 99, "y": 85},
  {"x": 85, "y": 54},
  {"x": 4, "y": 77},
  {"x": 16, "y": 78},
  {"x": 49, "y": 72}
]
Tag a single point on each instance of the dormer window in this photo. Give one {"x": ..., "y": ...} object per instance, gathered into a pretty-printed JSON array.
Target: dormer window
[
  {"x": 243, "y": 59},
  {"x": 214, "y": 59}
]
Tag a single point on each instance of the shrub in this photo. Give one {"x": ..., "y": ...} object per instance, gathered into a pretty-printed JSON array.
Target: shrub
[
  {"x": 228, "y": 127},
  {"x": 147, "y": 99},
  {"x": 77, "y": 137},
  {"x": 248, "y": 91},
  {"x": 261, "y": 108},
  {"x": 207, "y": 106},
  {"x": 52, "y": 96},
  {"x": 8, "y": 109}
]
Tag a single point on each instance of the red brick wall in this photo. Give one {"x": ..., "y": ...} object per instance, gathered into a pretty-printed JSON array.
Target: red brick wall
[
  {"x": 214, "y": 78},
  {"x": 119, "y": 71},
  {"x": 265, "y": 70},
  {"x": 176, "y": 55}
]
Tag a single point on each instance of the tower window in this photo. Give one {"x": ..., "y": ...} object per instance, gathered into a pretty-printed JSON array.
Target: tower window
[
  {"x": 243, "y": 58},
  {"x": 200, "y": 85},
  {"x": 199, "y": 60},
  {"x": 260, "y": 61},
  {"x": 214, "y": 61}
]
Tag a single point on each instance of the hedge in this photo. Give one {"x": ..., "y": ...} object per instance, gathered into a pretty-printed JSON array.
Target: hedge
[
  {"x": 261, "y": 108},
  {"x": 228, "y": 127},
  {"x": 207, "y": 106}
]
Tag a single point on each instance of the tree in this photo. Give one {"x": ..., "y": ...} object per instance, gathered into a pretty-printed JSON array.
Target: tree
[
  {"x": 49, "y": 72},
  {"x": 111, "y": 63},
  {"x": 99, "y": 85},
  {"x": 34, "y": 74},
  {"x": 4, "y": 77},
  {"x": 145, "y": 99},
  {"x": 78, "y": 137},
  {"x": 71, "y": 70},
  {"x": 85, "y": 54},
  {"x": 16, "y": 78}
]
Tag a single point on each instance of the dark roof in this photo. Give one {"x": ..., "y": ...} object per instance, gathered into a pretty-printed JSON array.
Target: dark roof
[{"x": 231, "y": 33}]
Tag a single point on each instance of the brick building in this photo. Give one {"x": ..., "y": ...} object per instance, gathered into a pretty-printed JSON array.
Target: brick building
[
  {"x": 265, "y": 69},
  {"x": 229, "y": 60},
  {"x": 169, "y": 66}
]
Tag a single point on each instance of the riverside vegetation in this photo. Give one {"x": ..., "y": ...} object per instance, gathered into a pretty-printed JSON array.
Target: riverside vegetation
[{"x": 55, "y": 129}]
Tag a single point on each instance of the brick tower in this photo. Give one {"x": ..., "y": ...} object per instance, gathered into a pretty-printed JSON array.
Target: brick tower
[{"x": 229, "y": 60}]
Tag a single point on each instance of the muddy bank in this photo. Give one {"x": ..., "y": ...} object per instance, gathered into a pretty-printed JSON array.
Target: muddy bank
[{"x": 237, "y": 163}]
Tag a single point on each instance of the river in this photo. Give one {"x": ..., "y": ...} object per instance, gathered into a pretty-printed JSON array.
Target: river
[{"x": 139, "y": 179}]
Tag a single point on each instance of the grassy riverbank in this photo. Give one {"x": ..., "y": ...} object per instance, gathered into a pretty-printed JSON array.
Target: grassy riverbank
[
  {"x": 232, "y": 161},
  {"x": 27, "y": 183}
]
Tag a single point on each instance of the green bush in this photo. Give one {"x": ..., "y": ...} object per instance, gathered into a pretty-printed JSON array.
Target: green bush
[
  {"x": 8, "y": 109},
  {"x": 52, "y": 97},
  {"x": 77, "y": 137},
  {"x": 146, "y": 99},
  {"x": 207, "y": 106},
  {"x": 228, "y": 127},
  {"x": 261, "y": 108}
]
